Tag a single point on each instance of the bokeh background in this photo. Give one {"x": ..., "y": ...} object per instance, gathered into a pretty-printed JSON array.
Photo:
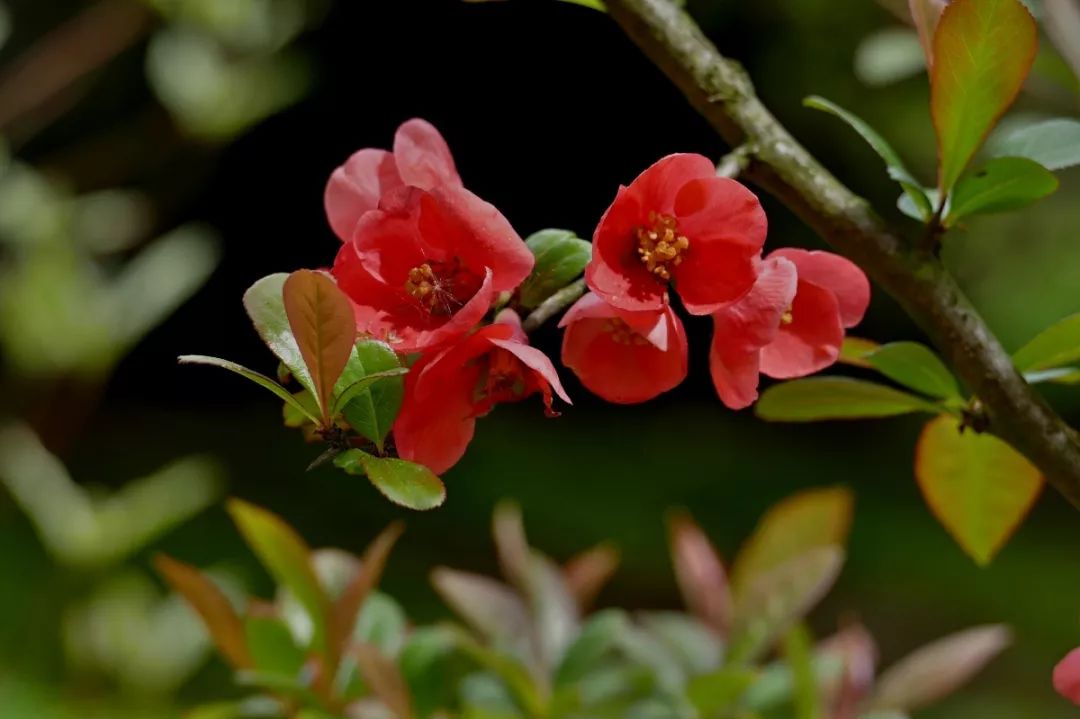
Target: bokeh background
[{"x": 158, "y": 157}]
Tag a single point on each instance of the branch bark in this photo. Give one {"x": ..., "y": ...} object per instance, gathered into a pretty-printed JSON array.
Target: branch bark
[{"x": 722, "y": 92}]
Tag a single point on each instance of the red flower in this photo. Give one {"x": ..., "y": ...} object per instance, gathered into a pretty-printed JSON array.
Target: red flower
[
  {"x": 420, "y": 158},
  {"x": 677, "y": 223},
  {"x": 790, "y": 324},
  {"x": 1067, "y": 676},
  {"x": 624, "y": 357},
  {"x": 424, "y": 268},
  {"x": 447, "y": 391}
]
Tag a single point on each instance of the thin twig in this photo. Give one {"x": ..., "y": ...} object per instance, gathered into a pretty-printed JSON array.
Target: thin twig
[{"x": 721, "y": 90}]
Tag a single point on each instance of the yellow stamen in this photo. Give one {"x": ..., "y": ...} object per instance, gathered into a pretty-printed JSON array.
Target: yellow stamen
[{"x": 660, "y": 246}]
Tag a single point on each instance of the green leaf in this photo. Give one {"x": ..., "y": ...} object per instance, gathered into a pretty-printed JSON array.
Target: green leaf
[
  {"x": 1054, "y": 144},
  {"x": 823, "y": 398},
  {"x": 799, "y": 652},
  {"x": 897, "y": 170},
  {"x": 936, "y": 670},
  {"x": 596, "y": 642},
  {"x": 362, "y": 385},
  {"x": 978, "y": 486},
  {"x": 259, "y": 379},
  {"x": 212, "y": 606},
  {"x": 373, "y": 410},
  {"x": 854, "y": 351},
  {"x": 433, "y": 668},
  {"x": 265, "y": 305},
  {"x": 1004, "y": 183},
  {"x": 293, "y": 417},
  {"x": 1057, "y": 345},
  {"x": 918, "y": 212},
  {"x": 406, "y": 483},
  {"x": 287, "y": 558},
  {"x": 779, "y": 598},
  {"x": 811, "y": 518},
  {"x": 324, "y": 327},
  {"x": 561, "y": 257},
  {"x": 719, "y": 690},
  {"x": 272, "y": 647},
  {"x": 983, "y": 51},
  {"x": 915, "y": 366}
]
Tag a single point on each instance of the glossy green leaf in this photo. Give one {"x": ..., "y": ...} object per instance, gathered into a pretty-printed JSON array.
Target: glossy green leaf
[
  {"x": 811, "y": 518},
  {"x": 936, "y": 670},
  {"x": 265, "y": 305},
  {"x": 262, "y": 380},
  {"x": 915, "y": 366},
  {"x": 1057, "y": 345},
  {"x": 324, "y": 327},
  {"x": 406, "y": 483},
  {"x": 897, "y": 171},
  {"x": 364, "y": 384},
  {"x": 983, "y": 51},
  {"x": 373, "y": 410},
  {"x": 799, "y": 653},
  {"x": 287, "y": 558},
  {"x": 212, "y": 606},
  {"x": 823, "y": 398},
  {"x": 779, "y": 598},
  {"x": 978, "y": 486},
  {"x": 295, "y": 417},
  {"x": 918, "y": 212},
  {"x": 1054, "y": 144},
  {"x": 1002, "y": 184},
  {"x": 854, "y": 350},
  {"x": 561, "y": 257}
]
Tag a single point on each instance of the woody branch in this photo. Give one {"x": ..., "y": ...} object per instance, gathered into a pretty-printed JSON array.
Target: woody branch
[{"x": 722, "y": 92}]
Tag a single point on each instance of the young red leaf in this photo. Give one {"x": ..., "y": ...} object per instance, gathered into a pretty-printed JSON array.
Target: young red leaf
[
  {"x": 939, "y": 668},
  {"x": 1067, "y": 676},
  {"x": 700, "y": 573},
  {"x": 586, "y": 573},
  {"x": 977, "y": 485},
  {"x": 813, "y": 518},
  {"x": 487, "y": 605},
  {"x": 925, "y": 14},
  {"x": 385, "y": 680},
  {"x": 322, "y": 321},
  {"x": 345, "y": 609},
  {"x": 212, "y": 606},
  {"x": 511, "y": 545},
  {"x": 983, "y": 51}
]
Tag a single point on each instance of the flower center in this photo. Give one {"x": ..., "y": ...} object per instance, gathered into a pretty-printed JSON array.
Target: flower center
[
  {"x": 622, "y": 334},
  {"x": 441, "y": 287},
  {"x": 787, "y": 318},
  {"x": 660, "y": 246}
]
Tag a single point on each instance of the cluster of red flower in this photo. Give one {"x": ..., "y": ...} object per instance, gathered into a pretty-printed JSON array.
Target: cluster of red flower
[{"x": 424, "y": 260}]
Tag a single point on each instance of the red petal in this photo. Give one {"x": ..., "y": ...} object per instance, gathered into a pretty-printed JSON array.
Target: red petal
[
  {"x": 1067, "y": 676},
  {"x": 422, "y": 155},
  {"x": 355, "y": 187},
  {"x": 653, "y": 325},
  {"x": 621, "y": 373},
  {"x": 741, "y": 329},
  {"x": 436, "y": 430},
  {"x": 388, "y": 243},
  {"x": 837, "y": 274},
  {"x": 657, "y": 188},
  {"x": 811, "y": 342},
  {"x": 615, "y": 272},
  {"x": 477, "y": 233},
  {"x": 726, "y": 227},
  {"x": 536, "y": 361}
]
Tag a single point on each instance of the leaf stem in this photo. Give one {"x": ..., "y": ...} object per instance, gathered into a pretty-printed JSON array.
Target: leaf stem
[{"x": 554, "y": 305}]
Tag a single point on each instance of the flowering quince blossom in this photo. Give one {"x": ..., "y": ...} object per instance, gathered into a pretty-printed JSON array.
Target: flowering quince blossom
[
  {"x": 1067, "y": 676},
  {"x": 677, "y": 223},
  {"x": 624, "y": 357},
  {"x": 790, "y": 324},
  {"x": 423, "y": 258},
  {"x": 446, "y": 391}
]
